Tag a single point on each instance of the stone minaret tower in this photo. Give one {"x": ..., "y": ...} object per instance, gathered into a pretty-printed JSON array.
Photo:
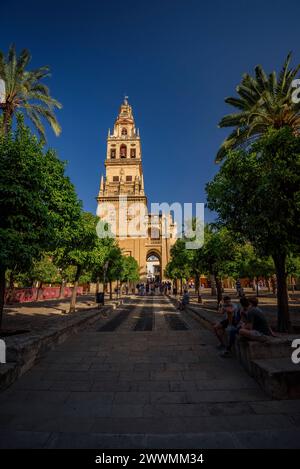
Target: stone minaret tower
[
  {"x": 124, "y": 174},
  {"x": 124, "y": 177}
]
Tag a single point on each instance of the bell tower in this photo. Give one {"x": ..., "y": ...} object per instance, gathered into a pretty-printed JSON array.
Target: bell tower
[
  {"x": 124, "y": 179},
  {"x": 124, "y": 174}
]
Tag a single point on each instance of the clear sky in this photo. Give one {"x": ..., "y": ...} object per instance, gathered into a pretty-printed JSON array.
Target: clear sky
[{"x": 176, "y": 60}]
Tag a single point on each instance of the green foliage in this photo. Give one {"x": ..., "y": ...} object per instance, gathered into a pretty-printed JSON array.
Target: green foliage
[
  {"x": 80, "y": 248},
  {"x": 257, "y": 193},
  {"x": 249, "y": 264},
  {"x": 24, "y": 224},
  {"x": 293, "y": 265},
  {"x": 130, "y": 269},
  {"x": 32, "y": 188},
  {"x": 101, "y": 256},
  {"x": 179, "y": 265},
  {"x": 218, "y": 254},
  {"x": 114, "y": 263},
  {"x": 25, "y": 91},
  {"x": 45, "y": 271},
  {"x": 215, "y": 257},
  {"x": 263, "y": 102}
]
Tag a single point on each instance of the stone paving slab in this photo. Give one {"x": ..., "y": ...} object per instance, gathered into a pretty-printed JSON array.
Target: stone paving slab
[
  {"x": 140, "y": 389},
  {"x": 286, "y": 439}
]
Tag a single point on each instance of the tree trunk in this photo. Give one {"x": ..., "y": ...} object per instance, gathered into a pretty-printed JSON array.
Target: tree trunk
[
  {"x": 293, "y": 281},
  {"x": 181, "y": 287},
  {"x": 197, "y": 284},
  {"x": 283, "y": 318},
  {"x": 62, "y": 289},
  {"x": 10, "y": 294},
  {"x": 7, "y": 115},
  {"x": 2, "y": 292},
  {"x": 219, "y": 289},
  {"x": 274, "y": 285},
  {"x": 74, "y": 291},
  {"x": 197, "y": 288},
  {"x": 97, "y": 285},
  {"x": 39, "y": 291},
  {"x": 110, "y": 290},
  {"x": 213, "y": 285},
  {"x": 257, "y": 289}
]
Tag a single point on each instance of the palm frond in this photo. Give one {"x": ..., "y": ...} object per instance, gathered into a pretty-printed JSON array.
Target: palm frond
[
  {"x": 283, "y": 74},
  {"x": 236, "y": 119},
  {"x": 25, "y": 89},
  {"x": 264, "y": 101}
]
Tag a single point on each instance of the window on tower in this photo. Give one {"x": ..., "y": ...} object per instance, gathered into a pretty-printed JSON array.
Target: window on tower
[
  {"x": 132, "y": 153},
  {"x": 123, "y": 151},
  {"x": 115, "y": 178},
  {"x": 112, "y": 154},
  {"x": 124, "y": 131},
  {"x": 128, "y": 178}
]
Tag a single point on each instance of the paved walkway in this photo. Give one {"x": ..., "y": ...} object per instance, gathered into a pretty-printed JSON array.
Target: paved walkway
[
  {"x": 146, "y": 377},
  {"x": 38, "y": 315}
]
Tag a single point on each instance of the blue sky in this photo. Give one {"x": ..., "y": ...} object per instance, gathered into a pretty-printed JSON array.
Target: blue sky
[{"x": 176, "y": 59}]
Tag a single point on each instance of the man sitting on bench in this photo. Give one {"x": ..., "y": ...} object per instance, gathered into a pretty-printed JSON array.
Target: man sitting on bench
[{"x": 256, "y": 326}]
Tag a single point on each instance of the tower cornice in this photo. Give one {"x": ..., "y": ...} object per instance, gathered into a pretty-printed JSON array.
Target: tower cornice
[{"x": 123, "y": 162}]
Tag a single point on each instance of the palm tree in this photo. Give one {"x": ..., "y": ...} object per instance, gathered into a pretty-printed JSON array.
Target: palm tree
[
  {"x": 25, "y": 91},
  {"x": 263, "y": 101}
]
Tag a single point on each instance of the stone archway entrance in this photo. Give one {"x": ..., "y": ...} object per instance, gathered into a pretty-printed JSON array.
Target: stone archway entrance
[{"x": 153, "y": 262}]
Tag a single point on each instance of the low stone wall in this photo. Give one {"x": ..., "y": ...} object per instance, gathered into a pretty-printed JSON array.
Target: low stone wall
[
  {"x": 23, "y": 351},
  {"x": 268, "y": 362},
  {"x": 279, "y": 377},
  {"x": 30, "y": 295},
  {"x": 247, "y": 351}
]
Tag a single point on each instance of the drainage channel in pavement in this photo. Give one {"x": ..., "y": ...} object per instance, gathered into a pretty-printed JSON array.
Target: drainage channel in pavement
[
  {"x": 115, "y": 322},
  {"x": 175, "y": 322},
  {"x": 144, "y": 322}
]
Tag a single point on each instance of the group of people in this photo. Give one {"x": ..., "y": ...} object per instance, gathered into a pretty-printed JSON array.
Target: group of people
[
  {"x": 245, "y": 319},
  {"x": 154, "y": 288}
]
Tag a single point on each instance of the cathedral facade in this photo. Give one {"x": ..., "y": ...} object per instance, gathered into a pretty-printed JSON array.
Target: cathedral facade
[{"x": 122, "y": 201}]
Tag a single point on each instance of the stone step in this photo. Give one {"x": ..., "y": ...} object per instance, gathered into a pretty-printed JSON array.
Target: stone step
[
  {"x": 8, "y": 373},
  {"x": 23, "y": 351},
  {"x": 287, "y": 439},
  {"x": 279, "y": 377}
]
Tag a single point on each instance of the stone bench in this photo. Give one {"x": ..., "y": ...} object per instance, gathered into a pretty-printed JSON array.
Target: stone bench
[
  {"x": 268, "y": 361},
  {"x": 272, "y": 347},
  {"x": 279, "y": 377},
  {"x": 270, "y": 364}
]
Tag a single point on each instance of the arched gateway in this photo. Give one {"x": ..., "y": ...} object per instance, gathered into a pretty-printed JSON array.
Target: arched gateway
[{"x": 153, "y": 266}]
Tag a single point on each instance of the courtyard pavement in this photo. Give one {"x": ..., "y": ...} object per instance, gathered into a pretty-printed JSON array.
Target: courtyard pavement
[{"x": 145, "y": 377}]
